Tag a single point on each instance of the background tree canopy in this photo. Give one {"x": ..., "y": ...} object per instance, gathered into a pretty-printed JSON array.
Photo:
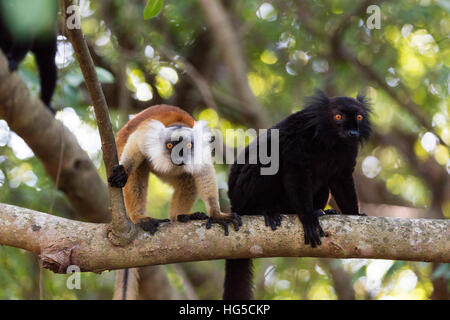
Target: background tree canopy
[{"x": 285, "y": 50}]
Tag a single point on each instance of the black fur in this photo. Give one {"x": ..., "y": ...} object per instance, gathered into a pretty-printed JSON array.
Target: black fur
[
  {"x": 235, "y": 221},
  {"x": 119, "y": 177},
  {"x": 151, "y": 224},
  {"x": 192, "y": 216},
  {"x": 126, "y": 274},
  {"x": 317, "y": 155},
  {"x": 44, "y": 49},
  {"x": 238, "y": 279}
]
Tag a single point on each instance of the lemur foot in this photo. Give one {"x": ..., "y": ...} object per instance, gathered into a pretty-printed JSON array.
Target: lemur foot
[
  {"x": 312, "y": 229},
  {"x": 192, "y": 216},
  {"x": 118, "y": 178},
  {"x": 273, "y": 220},
  {"x": 234, "y": 218},
  {"x": 150, "y": 224},
  {"x": 331, "y": 211}
]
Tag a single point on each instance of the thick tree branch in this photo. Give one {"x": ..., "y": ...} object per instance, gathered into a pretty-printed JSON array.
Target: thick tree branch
[
  {"x": 27, "y": 116},
  {"x": 122, "y": 229},
  {"x": 61, "y": 242}
]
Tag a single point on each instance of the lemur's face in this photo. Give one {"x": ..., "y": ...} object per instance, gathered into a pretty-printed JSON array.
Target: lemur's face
[
  {"x": 178, "y": 147},
  {"x": 179, "y": 144},
  {"x": 349, "y": 118}
]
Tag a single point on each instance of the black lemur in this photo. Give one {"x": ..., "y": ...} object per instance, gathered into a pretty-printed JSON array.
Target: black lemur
[
  {"x": 42, "y": 45},
  {"x": 317, "y": 154}
]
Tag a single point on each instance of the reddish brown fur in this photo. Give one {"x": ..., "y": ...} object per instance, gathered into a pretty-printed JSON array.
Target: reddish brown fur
[
  {"x": 187, "y": 186},
  {"x": 166, "y": 114}
]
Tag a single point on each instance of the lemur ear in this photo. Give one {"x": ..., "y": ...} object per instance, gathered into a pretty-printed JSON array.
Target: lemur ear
[
  {"x": 320, "y": 96},
  {"x": 155, "y": 127},
  {"x": 318, "y": 100},
  {"x": 361, "y": 98}
]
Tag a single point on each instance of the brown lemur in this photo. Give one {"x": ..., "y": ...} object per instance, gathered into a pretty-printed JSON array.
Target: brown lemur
[{"x": 167, "y": 142}]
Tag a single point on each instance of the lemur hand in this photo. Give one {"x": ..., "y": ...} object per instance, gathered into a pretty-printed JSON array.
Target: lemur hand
[
  {"x": 118, "y": 178},
  {"x": 223, "y": 219},
  {"x": 151, "y": 225}
]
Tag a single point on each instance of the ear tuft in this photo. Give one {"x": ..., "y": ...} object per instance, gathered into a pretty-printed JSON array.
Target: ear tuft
[
  {"x": 319, "y": 97},
  {"x": 361, "y": 98},
  {"x": 315, "y": 109},
  {"x": 316, "y": 103}
]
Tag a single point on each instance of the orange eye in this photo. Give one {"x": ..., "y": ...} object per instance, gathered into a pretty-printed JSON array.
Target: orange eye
[
  {"x": 169, "y": 145},
  {"x": 338, "y": 117},
  {"x": 189, "y": 145},
  {"x": 359, "y": 117}
]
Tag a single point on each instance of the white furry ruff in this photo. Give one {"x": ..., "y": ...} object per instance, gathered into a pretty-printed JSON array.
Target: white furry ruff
[
  {"x": 202, "y": 147},
  {"x": 154, "y": 148}
]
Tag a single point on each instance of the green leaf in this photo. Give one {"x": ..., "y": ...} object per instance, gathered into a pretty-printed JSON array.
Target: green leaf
[
  {"x": 397, "y": 265},
  {"x": 443, "y": 271},
  {"x": 74, "y": 78},
  {"x": 104, "y": 75},
  {"x": 152, "y": 9},
  {"x": 360, "y": 273}
]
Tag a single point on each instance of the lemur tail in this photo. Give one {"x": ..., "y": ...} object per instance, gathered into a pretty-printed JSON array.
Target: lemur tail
[
  {"x": 238, "y": 280},
  {"x": 127, "y": 284}
]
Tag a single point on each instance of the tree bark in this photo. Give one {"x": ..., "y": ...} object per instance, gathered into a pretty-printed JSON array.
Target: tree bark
[
  {"x": 61, "y": 242},
  {"x": 27, "y": 116},
  {"x": 155, "y": 285},
  {"x": 342, "y": 281},
  {"x": 122, "y": 229}
]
